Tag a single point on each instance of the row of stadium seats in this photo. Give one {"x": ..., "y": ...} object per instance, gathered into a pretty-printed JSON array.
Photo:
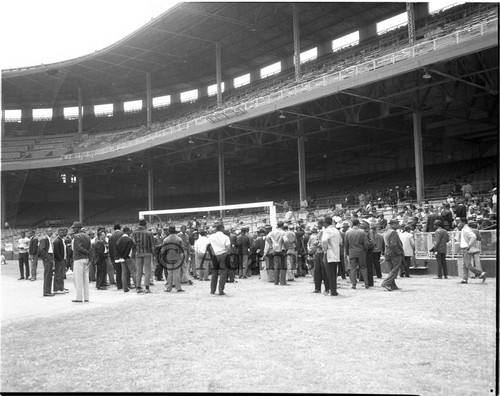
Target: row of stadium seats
[{"x": 439, "y": 182}]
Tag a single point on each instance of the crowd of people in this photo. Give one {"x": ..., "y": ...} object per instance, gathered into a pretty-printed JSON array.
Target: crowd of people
[{"x": 346, "y": 244}]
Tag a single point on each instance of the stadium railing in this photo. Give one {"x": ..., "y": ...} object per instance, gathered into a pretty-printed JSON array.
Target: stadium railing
[{"x": 351, "y": 70}]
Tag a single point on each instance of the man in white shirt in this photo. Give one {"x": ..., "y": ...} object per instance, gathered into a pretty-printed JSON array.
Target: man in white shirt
[
  {"x": 22, "y": 245},
  {"x": 220, "y": 244},
  {"x": 202, "y": 258},
  {"x": 331, "y": 241},
  {"x": 275, "y": 240},
  {"x": 408, "y": 247},
  {"x": 469, "y": 246}
]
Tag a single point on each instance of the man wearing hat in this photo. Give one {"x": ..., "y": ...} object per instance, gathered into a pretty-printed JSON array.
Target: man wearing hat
[
  {"x": 331, "y": 241},
  {"x": 60, "y": 255},
  {"x": 394, "y": 254},
  {"x": 172, "y": 256},
  {"x": 243, "y": 249},
  {"x": 441, "y": 238},
  {"x": 124, "y": 247},
  {"x": 81, "y": 246},
  {"x": 113, "y": 255},
  {"x": 356, "y": 244},
  {"x": 201, "y": 256},
  {"x": 144, "y": 247},
  {"x": 469, "y": 245}
]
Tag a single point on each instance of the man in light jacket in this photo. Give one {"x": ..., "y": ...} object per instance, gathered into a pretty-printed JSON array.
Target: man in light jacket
[
  {"x": 331, "y": 241},
  {"x": 469, "y": 246}
]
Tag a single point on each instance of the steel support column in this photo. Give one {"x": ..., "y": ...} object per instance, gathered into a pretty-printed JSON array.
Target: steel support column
[
  {"x": 80, "y": 199},
  {"x": 302, "y": 169},
  {"x": 80, "y": 112},
  {"x": 222, "y": 180},
  {"x": 150, "y": 188},
  {"x": 419, "y": 157},
  {"x": 148, "y": 101},
  {"x": 296, "y": 41},
  {"x": 218, "y": 72}
]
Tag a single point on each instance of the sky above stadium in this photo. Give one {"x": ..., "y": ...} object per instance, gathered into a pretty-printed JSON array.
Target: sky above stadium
[
  {"x": 45, "y": 31},
  {"x": 35, "y": 32}
]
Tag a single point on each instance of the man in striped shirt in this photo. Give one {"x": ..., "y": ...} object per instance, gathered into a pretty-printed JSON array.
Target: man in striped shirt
[{"x": 144, "y": 247}]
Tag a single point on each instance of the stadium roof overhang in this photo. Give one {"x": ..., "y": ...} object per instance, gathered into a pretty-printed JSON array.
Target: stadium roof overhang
[{"x": 177, "y": 49}]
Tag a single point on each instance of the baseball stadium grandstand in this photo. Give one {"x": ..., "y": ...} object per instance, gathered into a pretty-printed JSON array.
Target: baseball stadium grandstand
[{"x": 413, "y": 105}]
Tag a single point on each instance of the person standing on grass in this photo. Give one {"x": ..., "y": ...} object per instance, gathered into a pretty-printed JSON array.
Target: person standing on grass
[
  {"x": 441, "y": 238},
  {"x": 173, "y": 254},
  {"x": 408, "y": 248},
  {"x": 243, "y": 249},
  {"x": 331, "y": 242},
  {"x": 356, "y": 244},
  {"x": 201, "y": 256},
  {"x": 124, "y": 247},
  {"x": 276, "y": 243},
  {"x": 60, "y": 255},
  {"x": 46, "y": 253},
  {"x": 469, "y": 246},
  {"x": 33, "y": 254},
  {"x": 23, "y": 248},
  {"x": 221, "y": 246},
  {"x": 101, "y": 253},
  {"x": 394, "y": 254},
  {"x": 81, "y": 246},
  {"x": 113, "y": 254},
  {"x": 378, "y": 250},
  {"x": 144, "y": 247}
]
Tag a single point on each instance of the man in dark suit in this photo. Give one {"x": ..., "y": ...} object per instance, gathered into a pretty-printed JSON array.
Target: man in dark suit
[
  {"x": 60, "y": 255},
  {"x": 46, "y": 253},
  {"x": 433, "y": 216},
  {"x": 124, "y": 247},
  {"x": 356, "y": 244},
  {"x": 33, "y": 254},
  {"x": 113, "y": 255}
]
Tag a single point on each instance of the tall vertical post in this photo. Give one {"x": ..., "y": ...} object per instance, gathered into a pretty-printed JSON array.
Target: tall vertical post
[
  {"x": 80, "y": 112},
  {"x": 419, "y": 157},
  {"x": 218, "y": 72},
  {"x": 149, "y": 102},
  {"x": 302, "y": 168},
  {"x": 4, "y": 206},
  {"x": 222, "y": 179},
  {"x": 296, "y": 41},
  {"x": 411, "y": 22},
  {"x": 80, "y": 198},
  {"x": 150, "y": 188}
]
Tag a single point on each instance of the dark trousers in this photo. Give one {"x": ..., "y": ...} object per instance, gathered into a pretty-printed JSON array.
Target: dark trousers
[
  {"x": 320, "y": 272},
  {"x": 118, "y": 275},
  {"x": 24, "y": 263},
  {"x": 441, "y": 262},
  {"x": 48, "y": 267},
  {"x": 92, "y": 267},
  {"x": 376, "y": 264},
  {"x": 160, "y": 271},
  {"x": 369, "y": 266},
  {"x": 222, "y": 271},
  {"x": 331, "y": 275},
  {"x": 279, "y": 265},
  {"x": 101, "y": 266},
  {"x": 59, "y": 271},
  {"x": 341, "y": 267},
  {"x": 393, "y": 263},
  {"x": 232, "y": 262},
  {"x": 128, "y": 270},
  {"x": 405, "y": 266},
  {"x": 356, "y": 263}
]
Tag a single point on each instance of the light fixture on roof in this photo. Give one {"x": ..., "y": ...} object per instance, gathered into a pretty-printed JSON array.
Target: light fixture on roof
[
  {"x": 426, "y": 75},
  {"x": 282, "y": 115},
  {"x": 129, "y": 159},
  {"x": 191, "y": 141}
]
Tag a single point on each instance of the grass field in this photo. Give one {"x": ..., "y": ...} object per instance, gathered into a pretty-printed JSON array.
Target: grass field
[{"x": 434, "y": 337}]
